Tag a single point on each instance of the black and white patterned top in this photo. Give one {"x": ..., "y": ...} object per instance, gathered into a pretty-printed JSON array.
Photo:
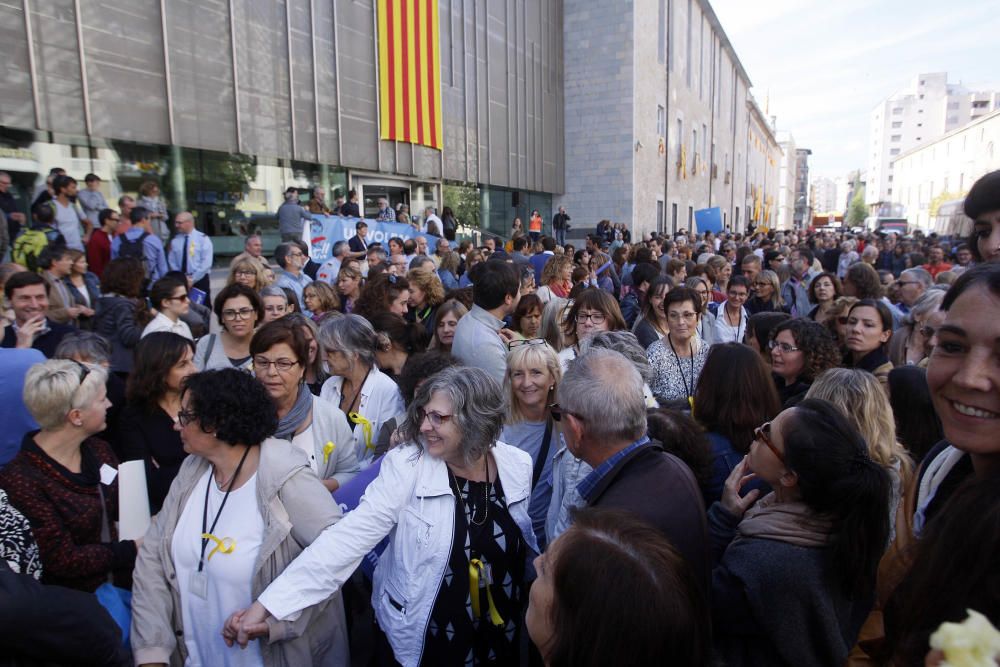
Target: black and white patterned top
[
  {"x": 674, "y": 377},
  {"x": 454, "y": 635},
  {"x": 17, "y": 544}
]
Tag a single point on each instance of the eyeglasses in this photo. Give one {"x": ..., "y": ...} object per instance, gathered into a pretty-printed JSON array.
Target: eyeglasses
[
  {"x": 677, "y": 317},
  {"x": 262, "y": 364},
  {"x": 527, "y": 341},
  {"x": 557, "y": 412},
  {"x": 182, "y": 298},
  {"x": 762, "y": 283},
  {"x": 247, "y": 273},
  {"x": 185, "y": 417},
  {"x": 763, "y": 434},
  {"x": 436, "y": 418},
  {"x": 596, "y": 318},
  {"x": 241, "y": 314},
  {"x": 784, "y": 347}
]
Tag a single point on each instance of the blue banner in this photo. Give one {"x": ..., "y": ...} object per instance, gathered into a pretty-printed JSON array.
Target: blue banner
[
  {"x": 708, "y": 220},
  {"x": 326, "y": 230}
]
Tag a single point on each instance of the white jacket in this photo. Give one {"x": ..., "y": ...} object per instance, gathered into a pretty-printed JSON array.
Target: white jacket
[
  {"x": 380, "y": 401},
  {"x": 412, "y": 502}
]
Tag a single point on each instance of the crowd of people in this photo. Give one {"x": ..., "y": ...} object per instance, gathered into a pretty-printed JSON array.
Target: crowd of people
[{"x": 774, "y": 448}]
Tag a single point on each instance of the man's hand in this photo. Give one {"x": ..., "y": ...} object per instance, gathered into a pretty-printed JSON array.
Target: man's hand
[{"x": 26, "y": 333}]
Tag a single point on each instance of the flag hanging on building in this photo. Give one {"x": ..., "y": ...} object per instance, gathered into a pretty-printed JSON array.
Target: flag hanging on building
[{"x": 409, "y": 68}]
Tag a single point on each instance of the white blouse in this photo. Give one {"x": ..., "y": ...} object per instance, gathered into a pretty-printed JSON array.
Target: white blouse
[{"x": 228, "y": 576}]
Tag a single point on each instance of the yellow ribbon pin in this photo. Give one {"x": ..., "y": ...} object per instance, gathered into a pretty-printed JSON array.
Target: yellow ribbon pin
[
  {"x": 226, "y": 545},
  {"x": 366, "y": 428},
  {"x": 476, "y": 567},
  {"x": 327, "y": 450}
]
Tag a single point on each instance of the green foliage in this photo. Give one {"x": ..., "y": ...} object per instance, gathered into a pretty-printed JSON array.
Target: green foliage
[
  {"x": 857, "y": 211},
  {"x": 463, "y": 199}
]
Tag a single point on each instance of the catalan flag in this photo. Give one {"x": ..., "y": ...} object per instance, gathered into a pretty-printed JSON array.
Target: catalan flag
[{"x": 409, "y": 67}]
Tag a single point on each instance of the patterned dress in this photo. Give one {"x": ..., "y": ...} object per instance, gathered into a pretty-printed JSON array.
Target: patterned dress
[{"x": 454, "y": 635}]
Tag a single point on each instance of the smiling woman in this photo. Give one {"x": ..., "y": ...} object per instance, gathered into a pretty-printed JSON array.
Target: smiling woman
[
  {"x": 533, "y": 373},
  {"x": 453, "y": 503}
]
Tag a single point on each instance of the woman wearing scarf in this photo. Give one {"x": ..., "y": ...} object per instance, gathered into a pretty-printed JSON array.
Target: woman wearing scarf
[
  {"x": 817, "y": 537},
  {"x": 280, "y": 354}
]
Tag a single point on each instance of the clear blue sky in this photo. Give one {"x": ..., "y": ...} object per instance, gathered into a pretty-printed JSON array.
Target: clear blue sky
[{"x": 822, "y": 66}]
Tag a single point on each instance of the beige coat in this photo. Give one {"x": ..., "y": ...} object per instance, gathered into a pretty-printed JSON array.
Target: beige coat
[{"x": 296, "y": 508}]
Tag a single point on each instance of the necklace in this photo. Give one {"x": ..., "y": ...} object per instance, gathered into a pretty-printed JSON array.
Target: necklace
[
  {"x": 486, "y": 496},
  {"x": 739, "y": 322}
]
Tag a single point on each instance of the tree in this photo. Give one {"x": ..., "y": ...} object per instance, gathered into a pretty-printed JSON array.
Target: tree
[
  {"x": 857, "y": 211},
  {"x": 463, "y": 199}
]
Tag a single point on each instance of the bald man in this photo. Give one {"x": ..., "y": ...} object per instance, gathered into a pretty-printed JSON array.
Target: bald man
[{"x": 191, "y": 253}]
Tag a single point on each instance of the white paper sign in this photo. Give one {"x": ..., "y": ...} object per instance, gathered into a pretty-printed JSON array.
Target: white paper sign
[{"x": 133, "y": 500}]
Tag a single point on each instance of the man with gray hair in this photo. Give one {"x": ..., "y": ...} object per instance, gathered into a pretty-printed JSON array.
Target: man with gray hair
[
  {"x": 330, "y": 269},
  {"x": 602, "y": 413},
  {"x": 912, "y": 284}
]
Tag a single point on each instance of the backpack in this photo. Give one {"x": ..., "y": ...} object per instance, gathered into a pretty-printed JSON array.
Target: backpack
[
  {"x": 29, "y": 245},
  {"x": 133, "y": 249}
]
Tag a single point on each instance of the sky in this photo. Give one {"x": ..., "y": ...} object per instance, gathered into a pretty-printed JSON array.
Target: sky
[{"x": 821, "y": 66}]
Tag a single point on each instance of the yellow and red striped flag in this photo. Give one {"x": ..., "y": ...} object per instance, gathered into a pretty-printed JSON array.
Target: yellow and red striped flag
[{"x": 409, "y": 66}]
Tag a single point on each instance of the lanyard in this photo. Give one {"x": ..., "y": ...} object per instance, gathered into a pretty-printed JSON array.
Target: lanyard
[
  {"x": 680, "y": 368},
  {"x": 204, "y": 513},
  {"x": 739, "y": 323}
]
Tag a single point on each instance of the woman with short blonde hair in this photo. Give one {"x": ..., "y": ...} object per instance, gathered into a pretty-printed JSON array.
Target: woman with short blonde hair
[
  {"x": 55, "y": 479},
  {"x": 249, "y": 273}
]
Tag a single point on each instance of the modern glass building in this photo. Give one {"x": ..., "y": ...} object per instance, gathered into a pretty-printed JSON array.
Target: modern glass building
[{"x": 226, "y": 103}]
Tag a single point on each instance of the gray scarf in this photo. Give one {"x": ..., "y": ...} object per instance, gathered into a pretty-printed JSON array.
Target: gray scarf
[{"x": 288, "y": 424}]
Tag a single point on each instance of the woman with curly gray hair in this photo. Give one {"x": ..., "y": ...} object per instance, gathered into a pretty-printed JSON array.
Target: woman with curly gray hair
[{"x": 454, "y": 504}]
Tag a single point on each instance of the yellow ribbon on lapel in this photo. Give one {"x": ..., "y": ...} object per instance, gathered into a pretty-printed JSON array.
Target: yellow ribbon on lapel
[
  {"x": 366, "y": 427},
  {"x": 226, "y": 545},
  {"x": 476, "y": 567},
  {"x": 327, "y": 450}
]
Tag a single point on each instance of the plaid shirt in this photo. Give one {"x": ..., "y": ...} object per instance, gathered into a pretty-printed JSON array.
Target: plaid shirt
[{"x": 590, "y": 482}]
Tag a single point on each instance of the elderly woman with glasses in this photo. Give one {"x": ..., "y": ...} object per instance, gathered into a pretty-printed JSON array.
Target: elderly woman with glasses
[
  {"x": 367, "y": 396},
  {"x": 243, "y": 506},
  {"x": 239, "y": 309},
  {"x": 678, "y": 357},
  {"x": 449, "y": 588},
  {"x": 275, "y": 303},
  {"x": 62, "y": 480},
  {"x": 533, "y": 373},
  {"x": 911, "y": 344},
  {"x": 280, "y": 358},
  {"x": 817, "y": 538}
]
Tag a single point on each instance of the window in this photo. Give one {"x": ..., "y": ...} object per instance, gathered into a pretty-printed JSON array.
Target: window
[
  {"x": 980, "y": 104},
  {"x": 690, "y": 218},
  {"x": 918, "y": 138},
  {"x": 680, "y": 137},
  {"x": 897, "y": 111},
  {"x": 673, "y": 218},
  {"x": 694, "y": 143},
  {"x": 953, "y": 120},
  {"x": 897, "y": 124},
  {"x": 894, "y": 151},
  {"x": 953, "y": 106},
  {"x": 704, "y": 142},
  {"x": 659, "y": 215},
  {"x": 896, "y": 137},
  {"x": 661, "y": 120}
]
